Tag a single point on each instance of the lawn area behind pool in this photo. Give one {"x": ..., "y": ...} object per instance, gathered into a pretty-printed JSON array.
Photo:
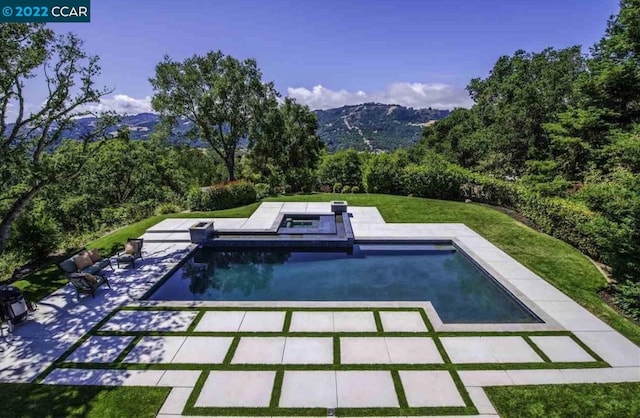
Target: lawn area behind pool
[
  {"x": 619, "y": 400},
  {"x": 40, "y": 401}
]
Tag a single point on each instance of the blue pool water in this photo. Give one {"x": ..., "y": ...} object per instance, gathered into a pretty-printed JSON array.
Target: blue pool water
[{"x": 459, "y": 291}]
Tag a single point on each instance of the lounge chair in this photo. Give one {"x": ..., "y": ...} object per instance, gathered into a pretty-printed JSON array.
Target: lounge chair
[
  {"x": 132, "y": 251},
  {"x": 87, "y": 283}
]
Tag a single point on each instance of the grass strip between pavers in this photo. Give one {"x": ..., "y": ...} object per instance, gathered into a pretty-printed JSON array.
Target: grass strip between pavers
[
  {"x": 537, "y": 349},
  {"x": 586, "y": 348},
  {"x": 378, "y": 319},
  {"x": 195, "y": 393},
  {"x": 196, "y": 321},
  {"x": 397, "y": 384},
  {"x": 425, "y": 318},
  {"x": 128, "y": 349},
  {"x": 280, "y": 369},
  {"x": 461, "y": 389},
  {"x": 287, "y": 321},
  {"x": 277, "y": 389},
  {"x": 232, "y": 350}
]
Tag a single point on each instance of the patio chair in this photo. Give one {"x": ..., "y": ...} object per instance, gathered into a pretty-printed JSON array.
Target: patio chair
[
  {"x": 132, "y": 251},
  {"x": 87, "y": 283}
]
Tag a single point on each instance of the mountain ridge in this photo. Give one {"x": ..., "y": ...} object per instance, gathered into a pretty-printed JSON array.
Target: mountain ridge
[{"x": 366, "y": 127}]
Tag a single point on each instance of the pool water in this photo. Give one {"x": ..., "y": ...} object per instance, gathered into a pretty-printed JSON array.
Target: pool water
[{"x": 459, "y": 291}]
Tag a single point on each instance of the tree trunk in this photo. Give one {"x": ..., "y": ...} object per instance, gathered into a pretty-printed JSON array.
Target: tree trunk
[
  {"x": 18, "y": 207},
  {"x": 230, "y": 163}
]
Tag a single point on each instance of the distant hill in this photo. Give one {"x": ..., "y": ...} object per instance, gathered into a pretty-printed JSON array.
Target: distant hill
[
  {"x": 368, "y": 126},
  {"x": 374, "y": 126}
]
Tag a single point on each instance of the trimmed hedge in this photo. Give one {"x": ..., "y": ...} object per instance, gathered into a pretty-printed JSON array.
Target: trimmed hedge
[
  {"x": 221, "y": 196},
  {"x": 438, "y": 182}
]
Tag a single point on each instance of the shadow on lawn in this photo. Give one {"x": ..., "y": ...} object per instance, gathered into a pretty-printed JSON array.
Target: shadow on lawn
[{"x": 26, "y": 400}]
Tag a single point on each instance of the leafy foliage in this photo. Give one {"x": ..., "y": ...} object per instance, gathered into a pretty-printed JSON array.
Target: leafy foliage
[
  {"x": 30, "y": 53},
  {"x": 565, "y": 130},
  {"x": 221, "y": 196},
  {"x": 343, "y": 167},
  {"x": 627, "y": 297},
  {"x": 285, "y": 149},
  {"x": 222, "y": 97}
]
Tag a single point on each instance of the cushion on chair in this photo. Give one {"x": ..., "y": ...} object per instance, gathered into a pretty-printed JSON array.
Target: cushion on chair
[
  {"x": 131, "y": 247},
  {"x": 92, "y": 269},
  {"x": 102, "y": 263},
  {"x": 68, "y": 266},
  {"x": 91, "y": 278},
  {"x": 82, "y": 260},
  {"x": 94, "y": 255}
]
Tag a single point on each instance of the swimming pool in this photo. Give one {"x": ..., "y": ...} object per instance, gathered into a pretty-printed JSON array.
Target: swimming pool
[{"x": 439, "y": 273}]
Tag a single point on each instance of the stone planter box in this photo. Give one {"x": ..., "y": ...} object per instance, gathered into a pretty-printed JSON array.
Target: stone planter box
[
  {"x": 338, "y": 206},
  {"x": 200, "y": 232}
]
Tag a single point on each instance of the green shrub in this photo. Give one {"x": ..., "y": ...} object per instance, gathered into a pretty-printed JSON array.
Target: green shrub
[
  {"x": 383, "y": 173},
  {"x": 561, "y": 218},
  {"x": 9, "y": 262},
  {"x": 127, "y": 213},
  {"x": 167, "y": 208},
  {"x": 36, "y": 233},
  {"x": 355, "y": 189},
  {"x": 439, "y": 182},
  {"x": 221, "y": 196},
  {"x": 337, "y": 188},
  {"x": 77, "y": 213},
  {"x": 344, "y": 167},
  {"x": 262, "y": 190},
  {"x": 346, "y": 189},
  {"x": 627, "y": 297}
]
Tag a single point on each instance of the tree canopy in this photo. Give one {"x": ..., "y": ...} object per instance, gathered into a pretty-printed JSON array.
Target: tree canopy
[
  {"x": 221, "y": 96},
  {"x": 27, "y": 164}
]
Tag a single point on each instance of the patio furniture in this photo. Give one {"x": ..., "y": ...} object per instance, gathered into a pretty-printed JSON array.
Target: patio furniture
[
  {"x": 86, "y": 283},
  {"x": 85, "y": 261},
  {"x": 132, "y": 251}
]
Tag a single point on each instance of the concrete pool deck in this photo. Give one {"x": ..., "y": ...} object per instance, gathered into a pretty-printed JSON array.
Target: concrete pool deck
[{"x": 397, "y": 338}]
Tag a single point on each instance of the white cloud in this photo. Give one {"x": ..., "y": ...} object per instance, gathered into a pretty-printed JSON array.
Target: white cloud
[
  {"x": 418, "y": 95},
  {"x": 123, "y": 104}
]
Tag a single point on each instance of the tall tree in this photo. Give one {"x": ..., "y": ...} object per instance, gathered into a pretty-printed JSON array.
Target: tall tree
[
  {"x": 286, "y": 146},
  {"x": 27, "y": 163},
  {"x": 613, "y": 80},
  {"x": 221, "y": 96}
]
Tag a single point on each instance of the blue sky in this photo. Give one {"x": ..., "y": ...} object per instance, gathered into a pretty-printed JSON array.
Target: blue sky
[{"x": 414, "y": 52}]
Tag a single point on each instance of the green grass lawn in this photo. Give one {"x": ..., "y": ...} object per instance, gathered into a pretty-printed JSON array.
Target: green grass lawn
[
  {"x": 42, "y": 401},
  {"x": 618, "y": 400}
]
